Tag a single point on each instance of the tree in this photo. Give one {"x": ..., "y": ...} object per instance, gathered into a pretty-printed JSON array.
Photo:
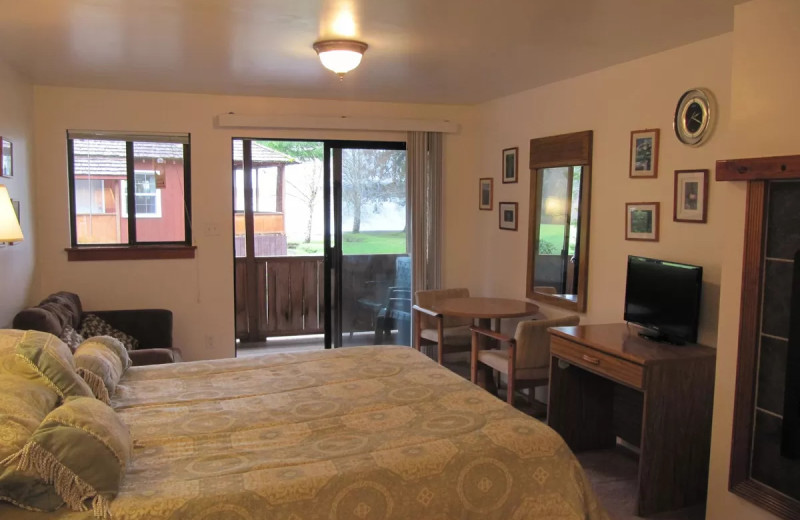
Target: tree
[
  {"x": 305, "y": 189},
  {"x": 372, "y": 176}
]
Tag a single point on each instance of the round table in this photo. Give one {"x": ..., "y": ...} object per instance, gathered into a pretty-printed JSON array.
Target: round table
[{"x": 485, "y": 309}]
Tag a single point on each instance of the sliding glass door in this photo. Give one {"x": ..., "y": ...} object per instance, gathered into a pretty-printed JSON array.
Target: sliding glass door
[
  {"x": 368, "y": 267},
  {"x": 321, "y": 248}
]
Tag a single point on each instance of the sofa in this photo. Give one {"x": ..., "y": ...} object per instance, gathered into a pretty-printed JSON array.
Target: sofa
[{"x": 152, "y": 328}]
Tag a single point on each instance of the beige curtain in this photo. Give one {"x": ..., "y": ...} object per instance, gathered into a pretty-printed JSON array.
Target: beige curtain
[{"x": 424, "y": 155}]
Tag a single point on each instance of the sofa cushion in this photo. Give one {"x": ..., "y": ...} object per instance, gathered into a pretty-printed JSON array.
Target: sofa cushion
[
  {"x": 82, "y": 448},
  {"x": 71, "y": 338},
  {"x": 93, "y": 325}
]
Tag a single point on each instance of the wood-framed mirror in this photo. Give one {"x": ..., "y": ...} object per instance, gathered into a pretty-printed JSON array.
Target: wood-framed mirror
[{"x": 558, "y": 220}]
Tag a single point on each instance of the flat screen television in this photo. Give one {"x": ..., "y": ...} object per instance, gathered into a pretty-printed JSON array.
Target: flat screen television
[{"x": 664, "y": 297}]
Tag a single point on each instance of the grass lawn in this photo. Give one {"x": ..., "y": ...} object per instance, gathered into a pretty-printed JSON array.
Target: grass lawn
[
  {"x": 553, "y": 233},
  {"x": 364, "y": 243}
]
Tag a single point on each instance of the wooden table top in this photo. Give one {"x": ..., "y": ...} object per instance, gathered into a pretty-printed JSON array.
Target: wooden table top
[
  {"x": 623, "y": 340},
  {"x": 476, "y": 307}
]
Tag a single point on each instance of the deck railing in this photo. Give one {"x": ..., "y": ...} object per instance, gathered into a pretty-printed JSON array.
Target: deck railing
[{"x": 290, "y": 293}]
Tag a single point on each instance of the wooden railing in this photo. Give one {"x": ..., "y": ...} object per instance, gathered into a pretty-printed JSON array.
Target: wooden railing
[{"x": 291, "y": 293}]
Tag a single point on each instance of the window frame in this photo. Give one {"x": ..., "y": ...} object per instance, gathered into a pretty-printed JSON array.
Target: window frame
[
  {"x": 156, "y": 196},
  {"x": 138, "y": 249}
]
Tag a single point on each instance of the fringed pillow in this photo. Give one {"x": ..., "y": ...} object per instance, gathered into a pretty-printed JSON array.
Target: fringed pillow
[
  {"x": 42, "y": 355},
  {"x": 23, "y": 405},
  {"x": 82, "y": 448},
  {"x": 101, "y": 361}
]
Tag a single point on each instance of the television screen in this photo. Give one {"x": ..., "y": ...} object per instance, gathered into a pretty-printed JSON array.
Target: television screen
[{"x": 664, "y": 297}]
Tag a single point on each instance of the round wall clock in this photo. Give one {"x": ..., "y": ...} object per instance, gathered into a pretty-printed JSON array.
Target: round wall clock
[{"x": 694, "y": 116}]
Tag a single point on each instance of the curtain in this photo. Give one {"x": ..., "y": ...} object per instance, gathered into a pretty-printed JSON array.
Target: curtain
[{"x": 424, "y": 156}]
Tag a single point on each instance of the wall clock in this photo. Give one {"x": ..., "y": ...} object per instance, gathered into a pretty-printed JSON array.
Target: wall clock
[{"x": 695, "y": 116}]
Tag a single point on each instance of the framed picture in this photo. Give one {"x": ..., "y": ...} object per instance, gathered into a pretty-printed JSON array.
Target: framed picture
[
  {"x": 15, "y": 205},
  {"x": 641, "y": 221},
  {"x": 8, "y": 158},
  {"x": 485, "y": 193},
  {"x": 644, "y": 153},
  {"x": 691, "y": 196},
  {"x": 510, "y": 164},
  {"x": 508, "y": 215}
]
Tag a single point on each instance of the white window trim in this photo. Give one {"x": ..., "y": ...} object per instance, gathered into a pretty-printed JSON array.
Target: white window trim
[{"x": 124, "y": 193}]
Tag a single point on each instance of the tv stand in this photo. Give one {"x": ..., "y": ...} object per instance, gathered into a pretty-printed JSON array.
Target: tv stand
[{"x": 655, "y": 396}]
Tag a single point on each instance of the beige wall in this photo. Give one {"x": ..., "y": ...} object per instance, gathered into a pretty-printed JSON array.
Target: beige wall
[
  {"x": 764, "y": 113},
  {"x": 17, "y": 262},
  {"x": 611, "y": 102},
  {"x": 199, "y": 291}
]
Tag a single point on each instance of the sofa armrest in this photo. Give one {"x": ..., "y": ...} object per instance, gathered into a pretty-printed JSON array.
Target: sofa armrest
[
  {"x": 151, "y": 356},
  {"x": 152, "y": 327}
]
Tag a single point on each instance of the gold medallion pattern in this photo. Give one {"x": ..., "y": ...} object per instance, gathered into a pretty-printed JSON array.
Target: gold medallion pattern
[{"x": 363, "y": 433}]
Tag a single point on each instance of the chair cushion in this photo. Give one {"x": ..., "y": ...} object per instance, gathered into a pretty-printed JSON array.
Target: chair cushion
[
  {"x": 498, "y": 360},
  {"x": 452, "y": 335},
  {"x": 92, "y": 325}
]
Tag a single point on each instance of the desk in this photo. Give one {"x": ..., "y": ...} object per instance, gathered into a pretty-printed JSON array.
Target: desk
[
  {"x": 485, "y": 309},
  {"x": 607, "y": 382}
]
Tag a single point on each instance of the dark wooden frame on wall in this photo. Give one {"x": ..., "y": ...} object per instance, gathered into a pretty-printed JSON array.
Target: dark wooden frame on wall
[{"x": 757, "y": 173}]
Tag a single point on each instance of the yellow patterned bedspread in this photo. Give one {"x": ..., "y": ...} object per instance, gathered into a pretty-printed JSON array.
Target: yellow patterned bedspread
[{"x": 361, "y": 433}]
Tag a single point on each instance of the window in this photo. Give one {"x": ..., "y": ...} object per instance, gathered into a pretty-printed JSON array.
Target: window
[
  {"x": 102, "y": 165},
  {"x": 147, "y": 198},
  {"x": 89, "y": 196}
]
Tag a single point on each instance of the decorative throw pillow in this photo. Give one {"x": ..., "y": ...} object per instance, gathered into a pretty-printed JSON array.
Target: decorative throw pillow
[
  {"x": 71, "y": 337},
  {"x": 42, "y": 355},
  {"x": 82, "y": 448},
  {"x": 93, "y": 325},
  {"x": 24, "y": 403},
  {"x": 101, "y": 361}
]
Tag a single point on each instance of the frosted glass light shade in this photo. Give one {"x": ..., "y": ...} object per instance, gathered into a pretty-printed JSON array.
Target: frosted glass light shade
[
  {"x": 9, "y": 225},
  {"x": 340, "y": 56}
]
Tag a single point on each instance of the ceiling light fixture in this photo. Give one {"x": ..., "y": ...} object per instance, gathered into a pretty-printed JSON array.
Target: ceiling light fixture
[{"x": 340, "y": 56}]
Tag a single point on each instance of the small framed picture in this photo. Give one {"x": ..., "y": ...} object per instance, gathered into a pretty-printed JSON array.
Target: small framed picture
[
  {"x": 691, "y": 196},
  {"x": 508, "y": 215},
  {"x": 644, "y": 153},
  {"x": 485, "y": 194},
  {"x": 641, "y": 221},
  {"x": 510, "y": 165},
  {"x": 8, "y": 158}
]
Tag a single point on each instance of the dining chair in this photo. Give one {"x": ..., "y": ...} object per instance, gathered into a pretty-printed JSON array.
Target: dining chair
[
  {"x": 448, "y": 333},
  {"x": 526, "y": 361}
]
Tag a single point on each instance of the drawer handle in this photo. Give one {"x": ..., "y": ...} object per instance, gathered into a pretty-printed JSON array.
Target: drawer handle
[{"x": 590, "y": 359}]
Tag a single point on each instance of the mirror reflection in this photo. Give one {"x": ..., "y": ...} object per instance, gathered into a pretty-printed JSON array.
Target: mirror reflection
[{"x": 557, "y": 253}]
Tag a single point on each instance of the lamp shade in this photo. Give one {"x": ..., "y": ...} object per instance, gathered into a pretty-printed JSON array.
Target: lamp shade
[
  {"x": 340, "y": 56},
  {"x": 9, "y": 225}
]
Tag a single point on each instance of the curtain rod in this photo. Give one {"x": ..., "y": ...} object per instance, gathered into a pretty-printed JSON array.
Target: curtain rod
[{"x": 378, "y": 124}]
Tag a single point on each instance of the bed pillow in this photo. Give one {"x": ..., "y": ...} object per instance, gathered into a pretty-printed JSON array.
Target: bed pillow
[
  {"x": 24, "y": 403},
  {"x": 101, "y": 361},
  {"x": 82, "y": 448},
  {"x": 93, "y": 325},
  {"x": 42, "y": 355},
  {"x": 71, "y": 338}
]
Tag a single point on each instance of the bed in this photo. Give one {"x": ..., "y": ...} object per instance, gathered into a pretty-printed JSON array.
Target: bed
[{"x": 359, "y": 433}]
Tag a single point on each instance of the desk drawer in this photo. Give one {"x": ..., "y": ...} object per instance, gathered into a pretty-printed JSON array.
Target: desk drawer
[{"x": 598, "y": 362}]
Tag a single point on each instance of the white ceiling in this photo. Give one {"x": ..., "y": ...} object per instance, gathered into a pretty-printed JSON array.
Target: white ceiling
[{"x": 428, "y": 51}]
